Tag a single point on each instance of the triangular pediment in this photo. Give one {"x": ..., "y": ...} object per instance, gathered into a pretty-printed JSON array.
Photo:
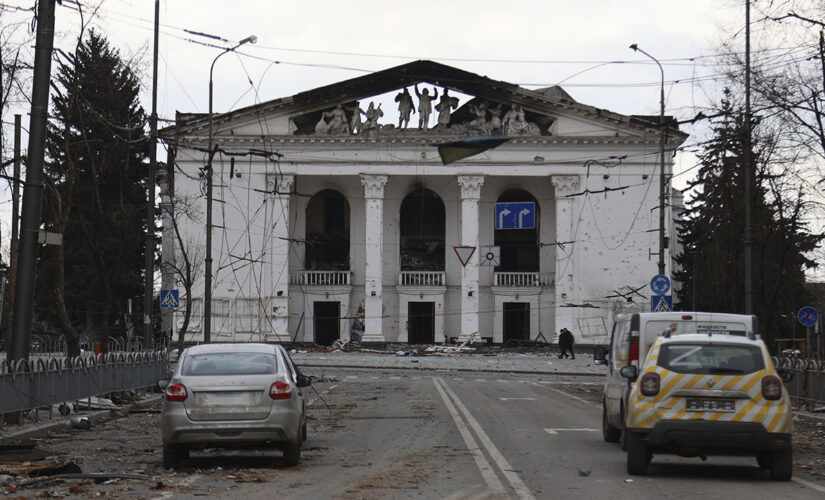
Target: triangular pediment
[{"x": 466, "y": 104}]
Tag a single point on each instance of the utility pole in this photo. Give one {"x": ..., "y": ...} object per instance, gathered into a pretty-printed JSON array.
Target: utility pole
[
  {"x": 149, "y": 284},
  {"x": 662, "y": 139},
  {"x": 748, "y": 237},
  {"x": 33, "y": 191}
]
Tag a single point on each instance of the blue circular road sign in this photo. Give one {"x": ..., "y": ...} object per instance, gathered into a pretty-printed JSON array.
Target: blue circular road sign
[
  {"x": 660, "y": 284},
  {"x": 808, "y": 316}
]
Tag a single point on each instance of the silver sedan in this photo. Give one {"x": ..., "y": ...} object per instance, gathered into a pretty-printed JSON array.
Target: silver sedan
[{"x": 233, "y": 396}]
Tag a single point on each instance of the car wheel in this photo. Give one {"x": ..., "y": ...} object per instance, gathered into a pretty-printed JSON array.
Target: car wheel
[
  {"x": 292, "y": 453},
  {"x": 172, "y": 455},
  {"x": 781, "y": 465},
  {"x": 637, "y": 454},
  {"x": 609, "y": 433}
]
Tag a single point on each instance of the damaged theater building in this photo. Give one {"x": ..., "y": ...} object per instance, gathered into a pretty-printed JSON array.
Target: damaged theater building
[{"x": 330, "y": 221}]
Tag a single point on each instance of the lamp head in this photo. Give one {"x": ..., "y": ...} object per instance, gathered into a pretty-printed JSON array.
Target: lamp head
[
  {"x": 634, "y": 47},
  {"x": 249, "y": 39}
]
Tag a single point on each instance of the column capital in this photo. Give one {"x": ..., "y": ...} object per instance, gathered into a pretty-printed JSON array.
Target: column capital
[
  {"x": 565, "y": 184},
  {"x": 470, "y": 186},
  {"x": 280, "y": 184},
  {"x": 374, "y": 185}
]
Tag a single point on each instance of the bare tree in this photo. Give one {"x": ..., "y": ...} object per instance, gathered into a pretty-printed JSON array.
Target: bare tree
[{"x": 188, "y": 258}]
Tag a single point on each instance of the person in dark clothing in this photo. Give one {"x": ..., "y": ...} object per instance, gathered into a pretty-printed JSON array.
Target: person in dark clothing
[{"x": 566, "y": 343}]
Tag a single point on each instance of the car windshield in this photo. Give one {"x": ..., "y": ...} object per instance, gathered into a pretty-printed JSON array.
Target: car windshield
[
  {"x": 230, "y": 363},
  {"x": 711, "y": 358}
]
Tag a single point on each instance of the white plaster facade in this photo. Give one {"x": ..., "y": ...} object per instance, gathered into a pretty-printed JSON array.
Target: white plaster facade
[{"x": 592, "y": 174}]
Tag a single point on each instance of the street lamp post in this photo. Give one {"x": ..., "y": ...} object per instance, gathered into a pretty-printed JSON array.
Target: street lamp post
[
  {"x": 662, "y": 184},
  {"x": 207, "y": 291}
]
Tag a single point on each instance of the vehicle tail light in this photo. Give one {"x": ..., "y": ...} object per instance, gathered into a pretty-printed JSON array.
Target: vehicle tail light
[
  {"x": 649, "y": 384},
  {"x": 771, "y": 387},
  {"x": 176, "y": 392},
  {"x": 634, "y": 349},
  {"x": 280, "y": 390}
]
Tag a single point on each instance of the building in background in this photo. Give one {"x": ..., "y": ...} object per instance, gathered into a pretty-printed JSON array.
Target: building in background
[{"x": 332, "y": 221}]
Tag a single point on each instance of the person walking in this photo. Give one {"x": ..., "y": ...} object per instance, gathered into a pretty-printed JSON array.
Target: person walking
[{"x": 566, "y": 342}]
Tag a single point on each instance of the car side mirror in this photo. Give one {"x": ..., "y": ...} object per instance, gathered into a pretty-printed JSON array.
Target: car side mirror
[
  {"x": 600, "y": 355},
  {"x": 785, "y": 374},
  {"x": 162, "y": 383},
  {"x": 629, "y": 372},
  {"x": 303, "y": 380}
]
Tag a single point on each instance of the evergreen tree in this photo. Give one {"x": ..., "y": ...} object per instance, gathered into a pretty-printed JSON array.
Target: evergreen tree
[
  {"x": 95, "y": 185},
  {"x": 712, "y": 267}
]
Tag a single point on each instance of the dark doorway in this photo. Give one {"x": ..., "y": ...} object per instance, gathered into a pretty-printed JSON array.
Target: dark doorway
[
  {"x": 421, "y": 322},
  {"x": 327, "y": 317},
  {"x": 516, "y": 321}
]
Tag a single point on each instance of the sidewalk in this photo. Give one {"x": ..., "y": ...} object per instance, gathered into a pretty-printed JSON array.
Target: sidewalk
[{"x": 510, "y": 362}]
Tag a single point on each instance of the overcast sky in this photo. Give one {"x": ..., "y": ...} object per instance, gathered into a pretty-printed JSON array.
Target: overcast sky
[{"x": 582, "y": 45}]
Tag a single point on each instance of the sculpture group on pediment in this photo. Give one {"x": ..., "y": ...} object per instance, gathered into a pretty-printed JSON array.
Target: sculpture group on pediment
[{"x": 478, "y": 117}]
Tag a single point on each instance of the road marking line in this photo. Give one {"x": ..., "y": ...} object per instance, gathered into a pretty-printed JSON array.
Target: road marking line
[
  {"x": 520, "y": 488},
  {"x": 808, "y": 484},
  {"x": 568, "y": 395},
  {"x": 395, "y": 378},
  {"x": 556, "y": 431},
  {"x": 481, "y": 462},
  {"x": 517, "y": 399},
  {"x": 352, "y": 377}
]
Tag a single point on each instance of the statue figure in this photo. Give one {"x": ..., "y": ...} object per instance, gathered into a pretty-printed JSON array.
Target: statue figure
[
  {"x": 444, "y": 106},
  {"x": 514, "y": 122},
  {"x": 355, "y": 123},
  {"x": 373, "y": 114},
  {"x": 337, "y": 123},
  {"x": 425, "y": 106},
  {"x": 480, "y": 120},
  {"x": 495, "y": 118},
  {"x": 405, "y": 107}
]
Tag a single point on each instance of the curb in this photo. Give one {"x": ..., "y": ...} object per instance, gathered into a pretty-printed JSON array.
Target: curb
[{"x": 425, "y": 368}]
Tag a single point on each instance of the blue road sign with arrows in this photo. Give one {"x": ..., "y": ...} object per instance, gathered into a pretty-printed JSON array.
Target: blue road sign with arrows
[
  {"x": 660, "y": 284},
  {"x": 520, "y": 215}
]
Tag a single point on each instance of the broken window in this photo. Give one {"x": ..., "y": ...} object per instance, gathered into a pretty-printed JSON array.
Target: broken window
[
  {"x": 327, "y": 232},
  {"x": 519, "y": 247},
  {"x": 422, "y": 231}
]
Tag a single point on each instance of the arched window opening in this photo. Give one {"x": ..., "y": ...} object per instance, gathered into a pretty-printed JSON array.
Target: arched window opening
[
  {"x": 519, "y": 247},
  {"x": 327, "y": 232},
  {"x": 422, "y": 231}
]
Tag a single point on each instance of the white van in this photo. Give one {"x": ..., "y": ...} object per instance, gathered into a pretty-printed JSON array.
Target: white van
[{"x": 630, "y": 340}]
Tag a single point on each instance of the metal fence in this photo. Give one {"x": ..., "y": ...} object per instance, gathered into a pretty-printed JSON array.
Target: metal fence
[
  {"x": 45, "y": 381},
  {"x": 807, "y": 389}
]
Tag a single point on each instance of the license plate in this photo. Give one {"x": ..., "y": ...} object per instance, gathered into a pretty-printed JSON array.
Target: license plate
[
  {"x": 726, "y": 405},
  {"x": 216, "y": 398}
]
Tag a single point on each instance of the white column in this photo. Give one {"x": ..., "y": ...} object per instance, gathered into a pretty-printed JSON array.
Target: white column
[
  {"x": 281, "y": 186},
  {"x": 567, "y": 262},
  {"x": 470, "y": 194},
  {"x": 374, "y": 256}
]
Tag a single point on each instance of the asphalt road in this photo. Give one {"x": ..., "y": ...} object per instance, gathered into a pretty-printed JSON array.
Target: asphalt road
[{"x": 385, "y": 433}]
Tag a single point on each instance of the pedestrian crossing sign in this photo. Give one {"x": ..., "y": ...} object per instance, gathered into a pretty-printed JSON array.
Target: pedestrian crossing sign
[
  {"x": 169, "y": 298},
  {"x": 661, "y": 303}
]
